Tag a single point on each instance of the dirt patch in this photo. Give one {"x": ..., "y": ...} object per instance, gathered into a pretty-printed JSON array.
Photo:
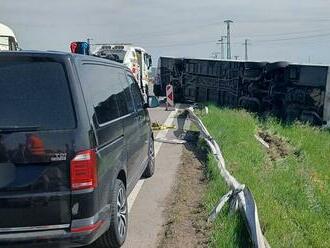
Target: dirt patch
[
  {"x": 278, "y": 147},
  {"x": 186, "y": 224}
]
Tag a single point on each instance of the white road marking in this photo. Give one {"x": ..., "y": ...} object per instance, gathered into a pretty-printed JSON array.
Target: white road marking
[{"x": 161, "y": 135}]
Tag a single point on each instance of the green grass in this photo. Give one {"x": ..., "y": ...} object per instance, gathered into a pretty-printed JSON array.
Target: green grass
[{"x": 292, "y": 193}]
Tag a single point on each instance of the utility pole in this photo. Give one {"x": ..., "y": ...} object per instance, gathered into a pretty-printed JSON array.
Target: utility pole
[
  {"x": 246, "y": 44},
  {"x": 89, "y": 44},
  {"x": 223, "y": 37},
  {"x": 222, "y": 51},
  {"x": 228, "y": 38},
  {"x": 89, "y": 41}
]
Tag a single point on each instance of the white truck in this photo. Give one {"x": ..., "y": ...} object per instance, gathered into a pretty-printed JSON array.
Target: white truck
[
  {"x": 8, "y": 40},
  {"x": 135, "y": 58}
]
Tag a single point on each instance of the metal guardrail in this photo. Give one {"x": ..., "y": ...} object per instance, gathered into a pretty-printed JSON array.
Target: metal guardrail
[{"x": 239, "y": 194}]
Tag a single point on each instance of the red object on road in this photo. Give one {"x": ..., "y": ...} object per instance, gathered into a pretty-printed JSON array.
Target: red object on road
[{"x": 169, "y": 96}]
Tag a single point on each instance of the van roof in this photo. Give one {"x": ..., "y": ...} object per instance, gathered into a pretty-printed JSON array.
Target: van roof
[{"x": 59, "y": 54}]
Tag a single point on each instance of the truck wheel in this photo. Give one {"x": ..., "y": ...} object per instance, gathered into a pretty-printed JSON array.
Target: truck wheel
[
  {"x": 116, "y": 234},
  {"x": 150, "y": 170}
]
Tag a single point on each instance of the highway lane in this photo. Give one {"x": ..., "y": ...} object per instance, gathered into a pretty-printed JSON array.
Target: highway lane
[{"x": 148, "y": 200}]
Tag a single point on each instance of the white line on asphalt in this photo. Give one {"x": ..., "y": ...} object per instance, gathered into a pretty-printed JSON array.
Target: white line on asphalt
[{"x": 161, "y": 134}]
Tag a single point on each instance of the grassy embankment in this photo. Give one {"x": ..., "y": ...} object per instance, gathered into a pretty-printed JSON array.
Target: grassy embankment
[{"x": 290, "y": 181}]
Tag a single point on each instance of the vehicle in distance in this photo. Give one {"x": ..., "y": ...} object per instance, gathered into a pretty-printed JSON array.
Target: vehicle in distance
[
  {"x": 135, "y": 58},
  {"x": 75, "y": 137},
  {"x": 291, "y": 92},
  {"x": 8, "y": 40}
]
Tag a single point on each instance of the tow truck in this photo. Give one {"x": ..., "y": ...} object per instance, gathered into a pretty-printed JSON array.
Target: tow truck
[{"x": 135, "y": 58}]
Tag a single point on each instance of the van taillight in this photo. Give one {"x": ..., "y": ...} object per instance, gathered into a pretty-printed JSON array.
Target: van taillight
[{"x": 83, "y": 170}]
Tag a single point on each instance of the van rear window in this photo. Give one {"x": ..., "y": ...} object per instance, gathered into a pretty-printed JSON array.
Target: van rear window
[{"x": 35, "y": 93}]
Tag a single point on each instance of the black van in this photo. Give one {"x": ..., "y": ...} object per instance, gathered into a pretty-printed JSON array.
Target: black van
[{"x": 75, "y": 137}]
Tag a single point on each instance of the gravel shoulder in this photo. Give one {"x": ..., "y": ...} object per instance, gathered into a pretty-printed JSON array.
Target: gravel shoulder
[{"x": 186, "y": 216}]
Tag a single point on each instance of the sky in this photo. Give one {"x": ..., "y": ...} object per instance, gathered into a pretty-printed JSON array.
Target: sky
[{"x": 291, "y": 30}]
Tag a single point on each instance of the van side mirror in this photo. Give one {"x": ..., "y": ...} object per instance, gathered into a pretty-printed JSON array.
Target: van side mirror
[{"x": 153, "y": 102}]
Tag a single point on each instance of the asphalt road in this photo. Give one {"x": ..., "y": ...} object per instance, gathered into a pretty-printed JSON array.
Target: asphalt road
[{"x": 147, "y": 202}]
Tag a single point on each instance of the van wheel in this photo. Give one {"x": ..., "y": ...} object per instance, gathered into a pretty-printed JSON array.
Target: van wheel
[
  {"x": 150, "y": 170},
  {"x": 116, "y": 234}
]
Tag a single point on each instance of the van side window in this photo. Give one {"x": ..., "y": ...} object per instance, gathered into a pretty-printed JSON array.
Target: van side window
[
  {"x": 102, "y": 90},
  {"x": 138, "y": 100},
  {"x": 122, "y": 105},
  {"x": 127, "y": 94}
]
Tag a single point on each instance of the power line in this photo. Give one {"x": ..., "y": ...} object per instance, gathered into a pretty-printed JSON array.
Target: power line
[
  {"x": 295, "y": 38},
  {"x": 287, "y": 20},
  {"x": 237, "y": 43},
  {"x": 283, "y": 34},
  {"x": 188, "y": 30},
  {"x": 193, "y": 28},
  {"x": 164, "y": 33},
  {"x": 236, "y": 36},
  {"x": 182, "y": 44}
]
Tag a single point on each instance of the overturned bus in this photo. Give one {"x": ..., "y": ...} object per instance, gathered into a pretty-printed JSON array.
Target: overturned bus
[{"x": 288, "y": 91}]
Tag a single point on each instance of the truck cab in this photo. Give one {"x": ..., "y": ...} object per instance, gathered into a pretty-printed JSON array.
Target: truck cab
[
  {"x": 8, "y": 40},
  {"x": 135, "y": 58}
]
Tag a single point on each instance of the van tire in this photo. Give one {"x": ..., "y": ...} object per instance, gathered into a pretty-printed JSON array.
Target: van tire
[
  {"x": 113, "y": 237},
  {"x": 150, "y": 169}
]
